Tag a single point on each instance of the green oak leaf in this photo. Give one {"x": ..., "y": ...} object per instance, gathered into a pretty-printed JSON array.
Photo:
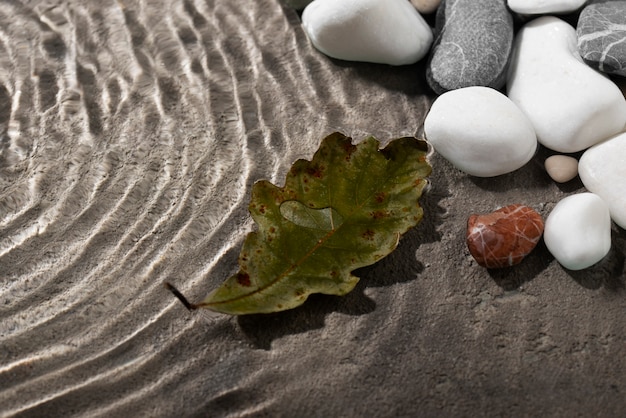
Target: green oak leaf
[{"x": 344, "y": 209}]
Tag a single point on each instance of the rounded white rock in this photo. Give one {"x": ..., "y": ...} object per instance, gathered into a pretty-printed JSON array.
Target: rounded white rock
[
  {"x": 480, "y": 131},
  {"x": 544, "y": 6},
  {"x": 379, "y": 31},
  {"x": 571, "y": 106},
  {"x": 578, "y": 231},
  {"x": 602, "y": 169}
]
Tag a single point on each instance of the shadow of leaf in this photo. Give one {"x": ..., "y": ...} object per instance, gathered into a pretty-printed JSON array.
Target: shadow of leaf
[{"x": 262, "y": 329}]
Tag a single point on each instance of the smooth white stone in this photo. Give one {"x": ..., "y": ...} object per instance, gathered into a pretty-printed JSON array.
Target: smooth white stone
[
  {"x": 578, "y": 231},
  {"x": 544, "y": 6},
  {"x": 426, "y": 6},
  {"x": 602, "y": 169},
  {"x": 380, "y": 31},
  {"x": 480, "y": 131},
  {"x": 571, "y": 106}
]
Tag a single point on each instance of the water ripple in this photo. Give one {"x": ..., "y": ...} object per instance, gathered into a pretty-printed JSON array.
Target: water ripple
[{"x": 131, "y": 133}]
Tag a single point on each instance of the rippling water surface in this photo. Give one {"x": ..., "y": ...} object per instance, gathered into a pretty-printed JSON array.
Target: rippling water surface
[{"x": 130, "y": 135}]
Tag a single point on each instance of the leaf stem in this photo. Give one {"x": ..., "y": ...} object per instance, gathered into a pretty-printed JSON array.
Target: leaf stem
[{"x": 180, "y": 297}]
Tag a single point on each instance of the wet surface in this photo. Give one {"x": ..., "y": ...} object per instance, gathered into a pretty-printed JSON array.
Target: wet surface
[{"x": 130, "y": 136}]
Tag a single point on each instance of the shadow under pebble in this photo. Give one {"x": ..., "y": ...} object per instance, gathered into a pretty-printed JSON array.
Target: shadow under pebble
[
  {"x": 512, "y": 278},
  {"x": 609, "y": 272}
]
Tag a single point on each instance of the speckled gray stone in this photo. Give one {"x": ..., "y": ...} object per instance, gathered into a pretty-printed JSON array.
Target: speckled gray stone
[
  {"x": 601, "y": 34},
  {"x": 472, "y": 47}
]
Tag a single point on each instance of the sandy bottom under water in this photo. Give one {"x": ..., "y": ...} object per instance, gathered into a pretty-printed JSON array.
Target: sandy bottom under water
[{"x": 131, "y": 133}]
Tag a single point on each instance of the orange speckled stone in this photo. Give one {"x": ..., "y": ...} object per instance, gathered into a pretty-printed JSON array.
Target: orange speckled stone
[{"x": 504, "y": 237}]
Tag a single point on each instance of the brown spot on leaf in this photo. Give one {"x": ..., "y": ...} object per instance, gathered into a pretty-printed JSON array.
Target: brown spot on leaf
[
  {"x": 349, "y": 150},
  {"x": 380, "y": 197},
  {"x": 272, "y": 229},
  {"x": 262, "y": 209},
  {"x": 368, "y": 234},
  {"x": 316, "y": 171},
  {"x": 243, "y": 279},
  {"x": 379, "y": 214}
]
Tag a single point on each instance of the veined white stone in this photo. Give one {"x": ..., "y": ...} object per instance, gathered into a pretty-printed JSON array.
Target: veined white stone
[
  {"x": 571, "y": 106},
  {"x": 544, "y": 6},
  {"x": 578, "y": 231},
  {"x": 480, "y": 131},
  {"x": 381, "y": 31},
  {"x": 602, "y": 169}
]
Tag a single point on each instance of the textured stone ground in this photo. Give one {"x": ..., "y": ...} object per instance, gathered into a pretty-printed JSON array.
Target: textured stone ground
[{"x": 130, "y": 135}]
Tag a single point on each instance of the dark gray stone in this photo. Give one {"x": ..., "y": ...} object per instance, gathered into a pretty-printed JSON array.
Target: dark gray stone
[
  {"x": 472, "y": 46},
  {"x": 601, "y": 34}
]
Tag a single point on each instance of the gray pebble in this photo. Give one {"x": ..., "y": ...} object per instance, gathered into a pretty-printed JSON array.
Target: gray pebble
[
  {"x": 601, "y": 35},
  {"x": 472, "y": 47}
]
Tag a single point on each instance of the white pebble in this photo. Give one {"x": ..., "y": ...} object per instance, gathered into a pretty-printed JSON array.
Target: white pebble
[
  {"x": 480, "y": 131},
  {"x": 561, "y": 168},
  {"x": 578, "y": 231},
  {"x": 380, "y": 31},
  {"x": 571, "y": 106},
  {"x": 544, "y": 6},
  {"x": 603, "y": 171}
]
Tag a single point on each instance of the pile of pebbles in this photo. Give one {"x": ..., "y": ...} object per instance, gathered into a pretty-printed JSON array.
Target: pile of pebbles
[{"x": 509, "y": 75}]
